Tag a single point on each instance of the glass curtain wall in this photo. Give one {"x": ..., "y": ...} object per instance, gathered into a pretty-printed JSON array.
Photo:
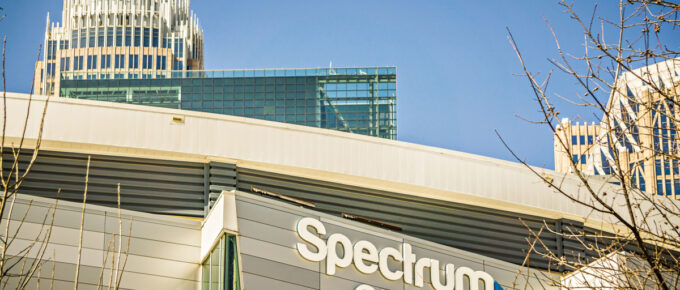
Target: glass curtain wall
[
  {"x": 220, "y": 269},
  {"x": 357, "y": 100}
]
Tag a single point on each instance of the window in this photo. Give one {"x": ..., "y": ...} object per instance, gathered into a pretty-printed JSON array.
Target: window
[
  {"x": 178, "y": 65},
  {"x": 657, "y": 165},
  {"x": 74, "y": 38},
  {"x": 128, "y": 36},
  {"x": 155, "y": 38},
  {"x": 109, "y": 37},
  {"x": 91, "y": 62},
  {"x": 574, "y": 140},
  {"x": 119, "y": 61},
  {"x": 659, "y": 187},
  {"x": 583, "y": 159},
  {"x": 160, "y": 62},
  {"x": 138, "y": 36},
  {"x": 590, "y": 140},
  {"x": 100, "y": 37},
  {"x": 147, "y": 61},
  {"x": 78, "y": 62},
  {"x": 146, "y": 37},
  {"x": 119, "y": 36},
  {"x": 575, "y": 158},
  {"x": 220, "y": 269},
  {"x": 106, "y": 61},
  {"x": 51, "y": 49},
  {"x": 65, "y": 64},
  {"x": 92, "y": 37},
  {"x": 133, "y": 61},
  {"x": 582, "y": 140},
  {"x": 668, "y": 187},
  {"x": 667, "y": 167},
  {"x": 83, "y": 38},
  {"x": 50, "y": 69},
  {"x": 179, "y": 48}
]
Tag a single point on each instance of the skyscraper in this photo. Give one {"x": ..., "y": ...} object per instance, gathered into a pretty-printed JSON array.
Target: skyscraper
[
  {"x": 642, "y": 129},
  {"x": 106, "y": 39},
  {"x": 150, "y": 52}
]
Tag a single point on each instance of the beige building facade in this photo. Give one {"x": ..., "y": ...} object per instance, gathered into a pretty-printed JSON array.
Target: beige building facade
[
  {"x": 109, "y": 39},
  {"x": 640, "y": 134}
]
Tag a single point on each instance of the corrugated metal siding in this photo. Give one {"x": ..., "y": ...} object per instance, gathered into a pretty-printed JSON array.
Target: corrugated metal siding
[
  {"x": 221, "y": 176},
  {"x": 147, "y": 185},
  {"x": 488, "y": 232},
  {"x": 188, "y": 188}
]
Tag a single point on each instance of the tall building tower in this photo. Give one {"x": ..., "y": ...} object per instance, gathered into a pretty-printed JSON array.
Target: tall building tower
[
  {"x": 119, "y": 39},
  {"x": 642, "y": 129}
]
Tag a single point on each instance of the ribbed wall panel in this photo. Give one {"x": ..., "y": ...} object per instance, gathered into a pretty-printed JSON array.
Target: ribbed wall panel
[
  {"x": 221, "y": 176},
  {"x": 187, "y": 188},
  {"x": 155, "y": 186}
]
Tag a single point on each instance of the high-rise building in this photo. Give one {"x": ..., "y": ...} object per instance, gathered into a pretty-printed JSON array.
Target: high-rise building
[
  {"x": 641, "y": 127},
  {"x": 107, "y": 38},
  {"x": 580, "y": 139},
  {"x": 150, "y": 52}
]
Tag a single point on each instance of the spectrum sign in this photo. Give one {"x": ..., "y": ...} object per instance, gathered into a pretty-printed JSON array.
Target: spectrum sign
[{"x": 368, "y": 260}]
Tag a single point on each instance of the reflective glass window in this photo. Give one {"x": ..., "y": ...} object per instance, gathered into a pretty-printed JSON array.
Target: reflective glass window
[
  {"x": 155, "y": 37},
  {"x": 100, "y": 37},
  {"x": 133, "y": 61},
  {"x": 106, "y": 61},
  {"x": 138, "y": 36},
  {"x": 128, "y": 36},
  {"x": 74, "y": 38},
  {"x": 109, "y": 37},
  {"x": 147, "y": 31},
  {"x": 91, "y": 62},
  {"x": 92, "y": 37},
  {"x": 83, "y": 38}
]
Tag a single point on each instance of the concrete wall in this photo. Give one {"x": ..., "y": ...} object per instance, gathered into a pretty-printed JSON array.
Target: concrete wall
[{"x": 164, "y": 251}]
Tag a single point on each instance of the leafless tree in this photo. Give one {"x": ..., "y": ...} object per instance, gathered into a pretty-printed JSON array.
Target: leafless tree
[
  {"x": 628, "y": 74},
  {"x": 21, "y": 263}
]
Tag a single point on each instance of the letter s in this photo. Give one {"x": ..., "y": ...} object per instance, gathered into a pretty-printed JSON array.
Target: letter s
[{"x": 307, "y": 236}]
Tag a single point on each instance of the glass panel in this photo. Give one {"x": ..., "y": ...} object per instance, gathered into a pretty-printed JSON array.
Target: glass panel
[
  {"x": 205, "y": 280},
  {"x": 215, "y": 267},
  {"x": 342, "y": 102}
]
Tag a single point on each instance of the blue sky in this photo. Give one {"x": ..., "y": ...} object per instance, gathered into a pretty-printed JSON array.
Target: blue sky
[{"x": 455, "y": 66}]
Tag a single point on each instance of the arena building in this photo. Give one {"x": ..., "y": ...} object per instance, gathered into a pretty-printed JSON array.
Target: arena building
[{"x": 262, "y": 205}]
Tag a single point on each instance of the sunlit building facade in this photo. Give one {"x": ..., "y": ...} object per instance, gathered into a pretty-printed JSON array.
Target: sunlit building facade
[
  {"x": 109, "y": 38},
  {"x": 642, "y": 129}
]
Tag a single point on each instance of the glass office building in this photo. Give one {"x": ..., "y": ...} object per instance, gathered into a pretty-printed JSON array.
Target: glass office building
[{"x": 356, "y": 100}]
